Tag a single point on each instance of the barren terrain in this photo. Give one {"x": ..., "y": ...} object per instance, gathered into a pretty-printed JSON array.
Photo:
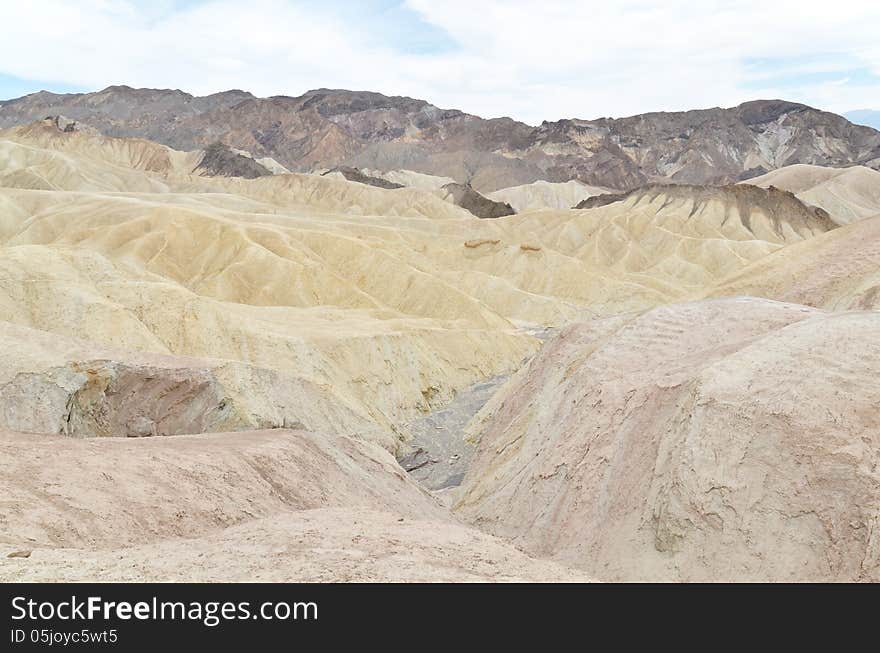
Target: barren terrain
[{"x": 215, "y": 369}]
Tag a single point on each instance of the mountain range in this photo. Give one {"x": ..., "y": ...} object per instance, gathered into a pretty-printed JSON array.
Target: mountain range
[{"x": 326, "y": 128}]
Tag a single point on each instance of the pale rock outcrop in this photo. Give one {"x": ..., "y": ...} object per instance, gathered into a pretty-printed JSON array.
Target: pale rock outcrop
[
  {"x": 118, "y": 492},
  {"x": 719, "y": 440},
  {"x": 546, "y": 195},
  {"x": 57, "y": 385},
  {"x": 838, "y": 270},
  {"x": 337, "y": 545},
  {"x": 848, "y": 194}
]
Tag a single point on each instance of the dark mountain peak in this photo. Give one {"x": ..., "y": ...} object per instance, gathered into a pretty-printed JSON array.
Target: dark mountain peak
[
  {"x": 783, "y": 207},
  {"x": 466, "y": 197},
  {"x": 120, "y": 88},
  {"x": 124, "y": 90},
  {"x": 43, "y": 96},
  {"x": 231, "y": 94},
  {"x": 325, "y": 128},
  {"x": 354, "y": 174},
  {"x": 219, "y": 160},
  {"x": 763, "y": 111},
  {"x": 333, "y": 102}
]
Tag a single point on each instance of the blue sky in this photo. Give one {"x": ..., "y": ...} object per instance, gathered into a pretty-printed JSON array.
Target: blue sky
[
  {"x": 11, "y": 87},
  {"x": 868, "y": 117},
  {"x": 559, "y": 58}
]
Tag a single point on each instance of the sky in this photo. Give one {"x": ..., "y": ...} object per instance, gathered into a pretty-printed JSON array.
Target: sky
[{"x": 529, "y": 60}]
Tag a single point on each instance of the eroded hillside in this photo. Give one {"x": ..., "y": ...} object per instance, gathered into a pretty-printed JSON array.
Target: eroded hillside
[{"x": 193, "y": 363}]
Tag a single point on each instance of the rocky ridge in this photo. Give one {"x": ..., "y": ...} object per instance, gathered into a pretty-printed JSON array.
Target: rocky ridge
[{"x": 325, "y": 128}]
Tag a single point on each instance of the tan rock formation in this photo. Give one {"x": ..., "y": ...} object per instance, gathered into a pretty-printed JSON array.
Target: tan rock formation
[
  {"x": 848, "y": 194},
  {"x": 719, "y": 440},
  {"x": 338, "y": 545}
]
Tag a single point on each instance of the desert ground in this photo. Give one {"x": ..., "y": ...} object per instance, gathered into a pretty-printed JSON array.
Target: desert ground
[{"x": 304, "y": 377}]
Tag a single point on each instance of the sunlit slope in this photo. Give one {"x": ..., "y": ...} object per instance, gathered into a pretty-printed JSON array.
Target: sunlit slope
[
  {"x": 317, "y": 194},
  {"x": 236, "y": 258},
  {"x": 733, "y": 439},
  {"x": 128, "y": 491},
  {"x": 85, "y": 160},
  {"x": 839, "y": 270},
  {"x": 26, "y": 166},
  {"x": 848, "y": 194},
  {"x": 388, "y": 300},
  {"x": 546, "y": 195},
  {"x": 655, "y": 246},
  {"x": 411, "y": 178},
  {"x": 383, "y": 367},
  {"x": 339, "y": 545},
  {"x": 54, "y": 384},
  {"x": 277, "y": 505},
  {"x": 333, "y": 242},
  {"x": 537, "y": 268}
]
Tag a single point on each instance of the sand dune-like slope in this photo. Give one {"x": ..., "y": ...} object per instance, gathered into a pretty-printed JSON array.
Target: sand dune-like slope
[
  {"x": 546, "y": 195},
  {"x": 274, "y": 506},
  {"x": 317, "y": 194},
  {"x": 320, "y": 545},
  {"x": 848, "y": 194},
  {"x": 190, "y": 274},
  {"x": 41, "y": 157},
  {"x": 411, "y": 178},
  {"x": 655, "y": 246},
  {"x": 25, "y": 166},
  {"x": 386, "y": 302},
  {"x": 731, "y": 439},
  {"x": 83, "y": 145},
  {"x": 839, "y": 270},
  {"x": 123, "y": 491},
  {"x": 382, "y": 369},
  {"x": 411, "y": 251}
]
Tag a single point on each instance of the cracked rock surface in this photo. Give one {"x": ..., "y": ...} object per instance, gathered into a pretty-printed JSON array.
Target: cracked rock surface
[{"x": 733, "y": 439}]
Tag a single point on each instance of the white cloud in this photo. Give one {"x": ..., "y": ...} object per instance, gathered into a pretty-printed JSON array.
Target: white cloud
[
  {"x": 628, "y": 57},
  {"x": 531, "y": 60}
]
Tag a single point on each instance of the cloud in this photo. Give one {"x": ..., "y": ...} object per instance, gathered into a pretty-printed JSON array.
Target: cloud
[{"x": 559, "y": 58}]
